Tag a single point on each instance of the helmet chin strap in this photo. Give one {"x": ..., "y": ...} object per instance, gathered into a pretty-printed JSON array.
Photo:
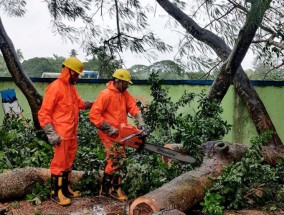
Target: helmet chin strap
[
  {"x": 120, "y": 85},
  {"x": 71, "y": 80}
]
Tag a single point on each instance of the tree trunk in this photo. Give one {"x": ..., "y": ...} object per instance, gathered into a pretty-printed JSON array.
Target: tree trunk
[
  {"x": 221, "y": 85},
  {"x": 183, "y": 192},
  {"x": 19, "y": 76},
  {"x": 17, "y": 183}
]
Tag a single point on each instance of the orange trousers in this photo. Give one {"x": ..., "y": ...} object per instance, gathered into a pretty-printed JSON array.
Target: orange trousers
[
  {"x": 64, "y": 156},
  {"x": 115, "y": 155}
]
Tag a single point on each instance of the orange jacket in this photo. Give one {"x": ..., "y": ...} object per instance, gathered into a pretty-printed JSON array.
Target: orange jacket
[
  {"x": 60, "y": 106},
  {"x": 112, "y": 106}
]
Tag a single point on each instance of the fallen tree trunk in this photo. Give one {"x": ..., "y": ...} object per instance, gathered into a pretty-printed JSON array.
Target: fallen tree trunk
[
  {"x": 19, "y": 182},
  {"x": 183, "y": 192}
]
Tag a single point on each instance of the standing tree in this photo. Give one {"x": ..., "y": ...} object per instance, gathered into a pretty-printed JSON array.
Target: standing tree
[{"x": 73, "y": 53}]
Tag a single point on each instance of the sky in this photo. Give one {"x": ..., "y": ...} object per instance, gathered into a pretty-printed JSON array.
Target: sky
[{"x": 32, "y": 34}]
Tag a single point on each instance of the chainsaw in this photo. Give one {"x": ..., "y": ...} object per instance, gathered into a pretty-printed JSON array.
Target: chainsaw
[{"x": 133, "y": 137}]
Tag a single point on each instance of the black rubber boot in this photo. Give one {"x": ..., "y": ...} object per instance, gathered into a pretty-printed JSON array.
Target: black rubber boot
[
  {"x": 106, "y": 185},
  {"x": 66, "y": 188},
  {"x": 56, "y": 190},
  {"x": 117, "y": 192}
]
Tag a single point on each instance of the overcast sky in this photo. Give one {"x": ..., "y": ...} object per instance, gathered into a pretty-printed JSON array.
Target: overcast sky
[{"x": 32, "y": 34}]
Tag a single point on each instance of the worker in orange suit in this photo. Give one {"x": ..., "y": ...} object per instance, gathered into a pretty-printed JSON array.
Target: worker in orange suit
[
  {"x": 58, "y": 117},
  {"x": 108, "y": 114}
]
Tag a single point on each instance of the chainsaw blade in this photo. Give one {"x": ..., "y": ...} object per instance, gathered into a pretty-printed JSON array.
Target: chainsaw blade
[{"x": 169, "y": 153}]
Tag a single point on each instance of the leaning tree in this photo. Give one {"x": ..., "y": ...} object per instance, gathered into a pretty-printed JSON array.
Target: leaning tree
[
  {"x": 221, "y": 33},
  {"x": 19, "y": 76}
]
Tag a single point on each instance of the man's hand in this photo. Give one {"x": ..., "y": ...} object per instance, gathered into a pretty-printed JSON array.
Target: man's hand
[
  {"x": 110, "y": 130},
  {"x": 88, "y": 104},
  {"x": 146, "y": 129},
  {"x": 140, "y": 120},
  {"x": 52, "y": 136}
]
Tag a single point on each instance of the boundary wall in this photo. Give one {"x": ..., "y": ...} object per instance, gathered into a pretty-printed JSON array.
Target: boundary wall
[{"x": 235, "y": 112}]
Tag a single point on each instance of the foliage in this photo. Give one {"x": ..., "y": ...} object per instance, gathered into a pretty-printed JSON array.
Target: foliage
[
  {"x": 92, "y": 64},
  {"x": 106, "y": 63},
  {"x": 128, "y": 28},
  {"x": 21, "y": 145},
  {"x": 36, "y": 66},
  {"x": 130, "y": 18},
  {"x": 39, "y": 194},
  {"x": 146, "y": 172},
  {"x": 204, "y": 125},
  {"x": 264, "y": 72},
  {"x": 4, "y": 72},
  {"x": 161, "y": 112},
  {"x": 168, "y": 70},
  {"x": 247, "y": 183},
  {"x": 191, "y": 128},
  {"x": 211, "y": 203},
  {"x": 90, "y": 155},
  {"x": 3, "y": 68}
]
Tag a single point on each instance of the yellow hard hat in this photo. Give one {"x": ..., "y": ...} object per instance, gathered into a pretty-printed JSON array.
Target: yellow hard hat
[
  {"x": 75, "y": 64},
  {"x": 122, "y": 74}
]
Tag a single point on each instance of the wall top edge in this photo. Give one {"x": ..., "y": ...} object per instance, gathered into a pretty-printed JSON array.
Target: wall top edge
[{"x": 145, "y": 82}]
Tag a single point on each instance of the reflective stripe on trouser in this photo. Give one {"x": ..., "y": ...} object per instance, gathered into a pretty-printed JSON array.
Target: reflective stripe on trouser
[
  {"x": 113, "y": 154},
  {"x": 64, "y": 156}
]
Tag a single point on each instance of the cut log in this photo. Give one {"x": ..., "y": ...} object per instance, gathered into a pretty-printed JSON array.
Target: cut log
[
  {"x": 183, "y": 192},
  {"x": 17, "y": 183}
]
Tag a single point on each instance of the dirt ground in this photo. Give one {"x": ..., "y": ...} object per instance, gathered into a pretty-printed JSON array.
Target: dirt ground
[
  {"x": 79, "y": 206},
  {"x": 93, "y": 206}
]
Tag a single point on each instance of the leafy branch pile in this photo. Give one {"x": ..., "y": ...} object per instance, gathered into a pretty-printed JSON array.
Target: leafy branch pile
[
  {"x": 21, "y": 145},
  {"x": 248, "y": 183}
]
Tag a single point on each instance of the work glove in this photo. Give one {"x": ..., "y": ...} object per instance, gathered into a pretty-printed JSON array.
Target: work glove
[
  {"x": 110, "y": 130},
  {"x": 140, "y": 120},
  {"x": 88, "y": 104},
  {"x": 52, "y": 136}
]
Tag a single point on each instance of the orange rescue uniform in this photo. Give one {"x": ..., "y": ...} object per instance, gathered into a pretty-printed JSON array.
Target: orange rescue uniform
[
  {"x": 112, "y": 106},
  {"x": 60, "y": 107}
]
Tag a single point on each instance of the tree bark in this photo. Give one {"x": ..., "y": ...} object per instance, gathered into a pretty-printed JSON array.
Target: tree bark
[
  {"x": 221, "y": 85},
  {"x": 19, "y": 76},
  {"x": 17, "y": 183},
  {"x": 183, "y": 192}
]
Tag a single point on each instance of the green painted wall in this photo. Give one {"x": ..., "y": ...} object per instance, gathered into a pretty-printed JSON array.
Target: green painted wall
[{"x": 234, "y": 109}]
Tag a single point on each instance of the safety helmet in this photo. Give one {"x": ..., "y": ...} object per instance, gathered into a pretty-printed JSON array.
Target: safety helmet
[
  {"x": 75, "y": 64},
  {"x": 122, "y": 74}
]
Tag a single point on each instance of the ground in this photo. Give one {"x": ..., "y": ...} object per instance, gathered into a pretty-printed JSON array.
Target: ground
[
  {"x": 92, "y": 206},
  {"x": 82, "y": 205}
]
